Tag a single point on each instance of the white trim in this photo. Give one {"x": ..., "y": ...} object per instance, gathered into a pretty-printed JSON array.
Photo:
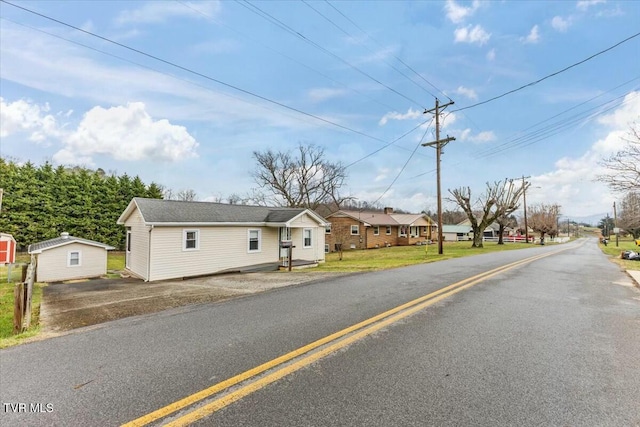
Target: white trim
[
  {"x": 358, "y": 230},
  {"x": 79, "y": 264},
  {"x": 376, "y": 230},
  {"x": 184, "y": 239},
  {"x": 82, "y": 242},
  {"x": 327, "y": 226},
  {"x": 387, "y": 230},
  {"x": 249, "y": 250},
  {"x": 304, "y": 230}
]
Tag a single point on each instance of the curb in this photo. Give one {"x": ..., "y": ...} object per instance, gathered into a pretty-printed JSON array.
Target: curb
[{"x": 635, "y": 275}]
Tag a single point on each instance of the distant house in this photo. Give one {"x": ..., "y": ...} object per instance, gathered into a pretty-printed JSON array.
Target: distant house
[
  {"x": 367, "y": 229},
  {"x": 68, "y": 257},
  {"x": 456, "y": 233},
  {"x": 168, "y": 239}
]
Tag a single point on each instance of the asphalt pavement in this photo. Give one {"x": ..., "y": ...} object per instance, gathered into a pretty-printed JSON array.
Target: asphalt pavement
[{"x": 551, "y": 342}]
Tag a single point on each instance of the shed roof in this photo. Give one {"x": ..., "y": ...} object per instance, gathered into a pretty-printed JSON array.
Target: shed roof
[
  {"x": 173, "y": 212},
  {"x": 62, "y": 240},
  {"x": 456, "y": 229}
]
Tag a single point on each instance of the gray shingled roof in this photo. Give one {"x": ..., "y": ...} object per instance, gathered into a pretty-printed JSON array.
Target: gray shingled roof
[
  {"x": 175, "y": 211},
  {"x": 60, "y": 241}
]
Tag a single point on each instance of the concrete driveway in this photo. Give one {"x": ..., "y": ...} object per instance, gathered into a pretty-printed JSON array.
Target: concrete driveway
[{"x": 68, "y": 306}]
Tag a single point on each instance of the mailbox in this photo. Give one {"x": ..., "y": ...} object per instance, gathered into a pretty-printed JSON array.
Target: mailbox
[{"x": 286, "y": 244}]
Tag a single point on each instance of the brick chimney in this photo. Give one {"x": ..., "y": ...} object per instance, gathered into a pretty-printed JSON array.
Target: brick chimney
[{"x": 388, "y": 211}]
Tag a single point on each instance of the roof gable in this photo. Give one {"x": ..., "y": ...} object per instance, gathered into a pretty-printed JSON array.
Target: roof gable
[{"x": 37, "y": 248}]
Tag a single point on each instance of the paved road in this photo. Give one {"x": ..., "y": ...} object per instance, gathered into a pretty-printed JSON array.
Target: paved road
[{"x": 552, "y": 342}]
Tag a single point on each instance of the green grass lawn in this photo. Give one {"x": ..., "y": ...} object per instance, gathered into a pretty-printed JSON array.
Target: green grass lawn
[
  {"x": 623, "y": 245},
  {"x": 7, "y": 338},
  {"x": 115, "y": 262},
  {"x": 401, "y": 256}
]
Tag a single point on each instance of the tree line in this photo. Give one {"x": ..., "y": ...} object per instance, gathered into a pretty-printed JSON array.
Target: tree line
[
  {"x": 40, "y": 202},
  {"x": 623, "y": 178}
]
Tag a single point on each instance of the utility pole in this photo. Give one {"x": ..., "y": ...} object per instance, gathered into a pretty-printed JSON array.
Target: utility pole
[
  {"x": 439, "y": 143},
  {"x": 615, "y": 223}
]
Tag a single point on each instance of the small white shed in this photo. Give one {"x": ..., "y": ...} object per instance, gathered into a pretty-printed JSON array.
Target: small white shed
[{"x": 68, "y": 257}]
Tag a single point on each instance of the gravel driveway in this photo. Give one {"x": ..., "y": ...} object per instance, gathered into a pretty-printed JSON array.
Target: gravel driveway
[{"x": 68, "y": 306}]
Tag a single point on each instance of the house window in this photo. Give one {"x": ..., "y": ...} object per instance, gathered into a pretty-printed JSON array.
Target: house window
[
  {"x": 402, "y": 231},
  {"x": 355, "y": 230},
  {"x": 326, "y": 249},
  {"x": 73, "y": 259},
  {"x": 388, "y": 230},
  {"x": 327, "y": 228},
  {"x": 306, "y": 237},
  {"x": 254, "y": 240},
  {"x": 190, "y": 240},
  {"x": 376, "y": 230}
]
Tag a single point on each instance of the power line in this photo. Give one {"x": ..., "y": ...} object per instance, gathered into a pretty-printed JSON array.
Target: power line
[
  {"x": 509, "y": 142},
  {"x": 403, "y": 168},
  {"x": 199, "y": 74},
  {"x": 370, "y": 50},
  {"x": 549, "y": 75},
  {"x": 255, "y": 9},
  {"x": 387, "y": 144},
  {"x": 290, "y": 58}
]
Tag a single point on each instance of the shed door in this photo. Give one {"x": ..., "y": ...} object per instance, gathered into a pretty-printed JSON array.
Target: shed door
[{"x": 127, "y": 254}]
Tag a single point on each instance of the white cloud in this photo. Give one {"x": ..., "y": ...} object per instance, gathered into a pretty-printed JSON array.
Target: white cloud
[
  {"x": 572, "y": 182},
  {"x": 474, "y": 35},
  {"x": 628, "y": 113},
  {"x": 491, "y": 55},
  {"x": 457, "y": 13},
  {"x": 128, "y": 134},
  {"x": 560, "y": 24},
  {"x": 161, "y": 11},
  {"x": 484, "y": 136},
  {"x": 469, "y": 93},
  {"x": 323, "y": 94},
  {"x": 586, "y": 4},
  {"x": 394, "y": 115},
  {"x": 24, "y": 116},
  {"x": 533, "y": 37}
]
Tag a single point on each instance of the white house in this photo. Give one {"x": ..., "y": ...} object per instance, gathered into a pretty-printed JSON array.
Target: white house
[
  {"x": 168, "y": 239},
  {"x": 68, "y": 257}
]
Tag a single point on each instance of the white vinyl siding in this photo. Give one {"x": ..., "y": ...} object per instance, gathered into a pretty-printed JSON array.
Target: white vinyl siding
[
  {"x": 53, "y": 264},
  {"x": 221, "y": 248},
  {"x": 139, "y": 242}
]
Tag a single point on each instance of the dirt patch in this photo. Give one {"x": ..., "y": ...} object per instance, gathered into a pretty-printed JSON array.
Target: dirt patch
[{"x": 67, "y": 306}]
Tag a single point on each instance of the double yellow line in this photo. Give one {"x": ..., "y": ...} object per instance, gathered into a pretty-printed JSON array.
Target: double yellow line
[{"x": 324, "y": 347}]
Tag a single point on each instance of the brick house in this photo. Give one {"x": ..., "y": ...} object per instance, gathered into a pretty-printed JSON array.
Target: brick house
[{"x": 368, "y": 230}]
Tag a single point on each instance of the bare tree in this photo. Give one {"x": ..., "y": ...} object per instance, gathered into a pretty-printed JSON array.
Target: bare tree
[
  {"x": 505, "y": 221},
  {"x": 303, "y": 179},
  {"x": 543, "y": 218},
  {"x": 500, "y": 199},
  {"x": 624, "y": 166},
  {"x": 186, "y": 195},
  {"x": 629, "y": 218}
]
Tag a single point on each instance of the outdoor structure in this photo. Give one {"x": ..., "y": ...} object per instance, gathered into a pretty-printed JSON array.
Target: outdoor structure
[
  {"x": 68, "y": 257},
  {"x": 7, "y": 249},
  {"x": 168, "y": 239},
  {"x": 457, "y": 233},
  {"x": 368, "y": 230}
]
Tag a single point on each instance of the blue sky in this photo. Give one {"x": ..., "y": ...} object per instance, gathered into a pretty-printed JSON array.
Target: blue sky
[{"x": 230, "y": 78}]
